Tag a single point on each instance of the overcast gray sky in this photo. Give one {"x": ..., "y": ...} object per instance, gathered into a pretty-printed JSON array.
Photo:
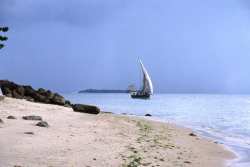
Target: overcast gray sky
[{"x": 189, "y": 46}]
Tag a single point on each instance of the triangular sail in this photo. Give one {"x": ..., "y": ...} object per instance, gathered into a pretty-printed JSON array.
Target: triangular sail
[{"x": 147, "y": 83}]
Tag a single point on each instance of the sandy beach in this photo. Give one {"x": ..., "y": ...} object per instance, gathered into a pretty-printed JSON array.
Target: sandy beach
[{"x": 104, "y": 140}]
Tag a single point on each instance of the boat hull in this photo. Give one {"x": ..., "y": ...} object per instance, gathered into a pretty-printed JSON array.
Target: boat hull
[{"x": 140, "y": 96}]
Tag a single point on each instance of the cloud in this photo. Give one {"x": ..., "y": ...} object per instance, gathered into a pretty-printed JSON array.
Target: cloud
[{"x": 76, "y": 12}]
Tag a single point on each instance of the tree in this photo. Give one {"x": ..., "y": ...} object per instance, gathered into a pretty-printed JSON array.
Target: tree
[{"x": 3, "y": 38}]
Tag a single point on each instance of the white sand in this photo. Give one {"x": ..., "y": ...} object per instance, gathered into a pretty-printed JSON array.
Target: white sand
[{"x": 104, "y": 140}]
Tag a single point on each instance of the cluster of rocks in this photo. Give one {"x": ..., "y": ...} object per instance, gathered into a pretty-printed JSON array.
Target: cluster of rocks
[
  {"x": 11, "y": 89},
  {"x": 41, "y": 123}
]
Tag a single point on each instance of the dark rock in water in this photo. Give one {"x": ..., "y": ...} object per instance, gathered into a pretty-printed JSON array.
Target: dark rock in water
[
  {"x": 86, "y": 108},
  {"x": 1, "y": 121},
  {"x": 11, "y": 117},
  {"x": 32, "y": 117},
  {"x": 192, "y": 134},
  {"x": 29, "y": 133},
  {"x": 148, "y": 115},
  {"x": 42, "y": 124}
]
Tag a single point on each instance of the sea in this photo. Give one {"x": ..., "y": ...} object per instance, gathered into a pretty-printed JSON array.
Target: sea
[{"x": 222, "y": 118}]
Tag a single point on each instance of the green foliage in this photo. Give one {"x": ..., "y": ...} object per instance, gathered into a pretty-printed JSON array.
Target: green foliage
[
  {"x": 3, "y": 38},
  {"x": 4, "y": 29}
]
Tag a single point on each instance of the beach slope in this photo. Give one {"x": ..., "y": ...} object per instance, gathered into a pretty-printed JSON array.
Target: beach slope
[{"x": 105, "y": 140}]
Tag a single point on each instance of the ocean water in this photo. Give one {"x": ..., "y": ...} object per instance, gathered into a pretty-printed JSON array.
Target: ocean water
[{"x": 224, "y": 118}]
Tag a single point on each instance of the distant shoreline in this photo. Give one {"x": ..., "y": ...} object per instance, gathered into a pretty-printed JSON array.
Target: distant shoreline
[{"x": 103, "y": 91}]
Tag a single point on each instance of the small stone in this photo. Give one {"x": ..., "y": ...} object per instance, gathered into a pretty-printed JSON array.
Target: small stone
[
  {"x": 192, "y": 134},
  {"x": 32, "y": 117},
  {"x": 1, "y": 121},
  {"x": 94, "y": 159},
  {"x": 29, "y": 133},
  {"x": 148, "y": 115},
  {"x": 187, "y": 162},
  {"x": 11, "y": 117},
  {"x": 42, "y": 124}
]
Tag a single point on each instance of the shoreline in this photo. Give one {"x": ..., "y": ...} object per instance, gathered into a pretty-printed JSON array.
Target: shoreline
[
  {"x": 241, "y": 154},
  {"x": 99, "y": 140},
  {"x": 237, "y": 157}
]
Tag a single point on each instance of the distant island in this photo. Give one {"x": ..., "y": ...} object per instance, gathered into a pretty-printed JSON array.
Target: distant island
[{"x": 103, "y": 91}]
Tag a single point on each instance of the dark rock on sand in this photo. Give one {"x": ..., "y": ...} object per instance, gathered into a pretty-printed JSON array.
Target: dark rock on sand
[
  {"x": 148, "y": 115},
  {"x": 58, "y": 99},
  {"x": 1, "y": 121},
  {"x": 11, "y": 89},
  {"x": 192, "y": 134},
  {"x": 86, "y": 108},
  {"x": 11, "y": 117},
  {"x": 29, "y": 133},
  {"x": 42, "y": 124},
  {"x": 32, "y": 117}
]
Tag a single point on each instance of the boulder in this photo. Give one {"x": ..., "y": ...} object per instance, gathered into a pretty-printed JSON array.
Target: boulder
[
  {"x": 148, "y": 115},
  {"x": 32, "y": 117},
  {"x": 11, "y": 117},
  {"x": 16, "y": 95},
  {"x": 192, "y": 134},
  {"x": 20, "y": 90},
  {"x": 85, "y": 108},
  {"x": 58, "y": 99},
  {"x": 29, "y": 133},
  {"x": 10, "y": 89},
  {"x": 1, "y": 121},
  {"x": 42, "y": 124},
  {"x": 29, "y": 91}
]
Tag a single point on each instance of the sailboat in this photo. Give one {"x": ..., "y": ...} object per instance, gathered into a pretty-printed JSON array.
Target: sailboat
[{"x": 147, "y": 87}]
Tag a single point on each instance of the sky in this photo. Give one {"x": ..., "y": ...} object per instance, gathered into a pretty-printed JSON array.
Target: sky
[{"x": 187, "y": 46}]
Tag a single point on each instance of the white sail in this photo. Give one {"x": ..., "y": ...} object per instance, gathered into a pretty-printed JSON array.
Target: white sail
[{"x": 147, "y": 83}]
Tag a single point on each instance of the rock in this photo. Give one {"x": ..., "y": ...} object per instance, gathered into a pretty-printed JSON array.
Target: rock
[
  {"x": 42, "y": 124},
  {"x": 86, "y": 108},
  {"x": 40, "y": 98},
  {"x": 11, "y": 89},
  {"x": 192, "y": 134},
  {"x": 20, "y": 90},
  {"x": 58, "y": 99},
  {"x": 148, "y": 115},
  {"x": 41, "y": 91},
  {"x": 67, "y": 103},
  {"x": 16, "y": 95},
  {"x": 29, "y": 98},
  {"x": 11, "y": 117},
  {"x": 29, "y": 133},
  {"x": 32, "y": 117},
  {"x": 187, "y": 162},
  {"x": 29, "y": 91},
  {"x": 1, "y": 121}
]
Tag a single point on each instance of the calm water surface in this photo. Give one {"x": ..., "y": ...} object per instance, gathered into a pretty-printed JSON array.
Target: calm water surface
[{"x": 225, "y": 118}]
